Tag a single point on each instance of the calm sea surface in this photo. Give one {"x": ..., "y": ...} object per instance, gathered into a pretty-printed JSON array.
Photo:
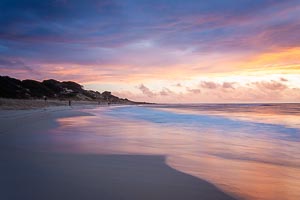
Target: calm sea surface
[{"x": 248, "y": 150}]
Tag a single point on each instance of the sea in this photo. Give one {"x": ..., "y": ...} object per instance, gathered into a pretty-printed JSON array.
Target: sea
[{"x": 251, "y": 151}]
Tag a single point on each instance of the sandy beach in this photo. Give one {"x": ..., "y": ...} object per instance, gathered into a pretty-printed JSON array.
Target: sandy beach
[
  {"x": 25, "y": 104},
  {"x": 150, "y": 152},
  {"x": 30, "y": 169}
]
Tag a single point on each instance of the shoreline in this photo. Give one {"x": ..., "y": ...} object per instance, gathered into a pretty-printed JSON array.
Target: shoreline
[
  {"x": 28, "y": 104},
  {"x": 32, "y": 173}
]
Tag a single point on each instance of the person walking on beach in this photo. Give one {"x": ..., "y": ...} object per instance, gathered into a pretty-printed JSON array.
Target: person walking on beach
[
  {"x": 45, "y": 99},
  {"x": 69, "y": 102}
]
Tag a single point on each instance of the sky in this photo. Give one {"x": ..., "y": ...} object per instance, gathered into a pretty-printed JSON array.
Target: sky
[{"x": 164, "y": 51}]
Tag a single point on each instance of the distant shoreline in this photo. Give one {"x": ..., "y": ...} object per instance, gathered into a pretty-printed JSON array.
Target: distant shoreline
[{"x": 26, "y": 104}]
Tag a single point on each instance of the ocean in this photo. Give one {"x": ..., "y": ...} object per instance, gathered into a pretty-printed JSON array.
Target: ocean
[{"x": 251, "y": 151}]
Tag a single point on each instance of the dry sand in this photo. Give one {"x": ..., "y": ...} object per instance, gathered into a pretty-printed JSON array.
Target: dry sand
[
  {"x": 28, "y": 173},
  {"x": 23, "y": 104}
]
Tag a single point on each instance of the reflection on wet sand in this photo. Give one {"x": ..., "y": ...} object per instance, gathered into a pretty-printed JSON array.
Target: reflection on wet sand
[
  {"x": 30, "y": 175},
  {"x": 251, "y": 163}
]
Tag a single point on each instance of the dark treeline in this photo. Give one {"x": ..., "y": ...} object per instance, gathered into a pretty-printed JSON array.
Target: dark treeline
[{"x": 52, "y": 89}]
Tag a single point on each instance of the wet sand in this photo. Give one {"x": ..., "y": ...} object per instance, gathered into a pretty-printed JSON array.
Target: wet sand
[{"x": 31, "y": 172}]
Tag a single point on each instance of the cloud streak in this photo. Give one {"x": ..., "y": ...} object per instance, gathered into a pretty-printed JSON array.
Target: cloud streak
[
  {"x": 262, "y": 91},
  {"x": 124, "y": 41}
]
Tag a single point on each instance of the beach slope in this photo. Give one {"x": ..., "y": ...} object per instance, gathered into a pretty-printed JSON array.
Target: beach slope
[{"x": 30, "y": 173}]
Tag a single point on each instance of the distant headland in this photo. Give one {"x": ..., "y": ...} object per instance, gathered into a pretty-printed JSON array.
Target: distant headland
[{"x": 51, "y": 89}]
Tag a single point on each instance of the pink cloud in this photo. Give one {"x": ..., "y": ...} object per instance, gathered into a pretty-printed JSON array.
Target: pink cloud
[
  {"x": 228, "y": 85},
  {"x": 259, "y": 91},
  {"x": 270, "y": 85},
  {"x": 165, "y": 92},
  {"x": 194, "y": 91},
  {"x": 208, "y": 85},
  {"x": 146, "y": 91},
  {"x": 283, "y": 79}
]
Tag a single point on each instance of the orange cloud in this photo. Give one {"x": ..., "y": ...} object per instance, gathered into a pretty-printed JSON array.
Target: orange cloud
[{"x": 283, "y": 60}]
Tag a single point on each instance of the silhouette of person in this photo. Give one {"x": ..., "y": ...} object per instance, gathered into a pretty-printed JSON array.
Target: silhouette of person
[{"x": 45, "y": 99}]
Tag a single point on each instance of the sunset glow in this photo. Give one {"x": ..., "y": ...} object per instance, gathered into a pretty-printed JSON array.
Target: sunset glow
[{"x": 158, "y": 51}]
